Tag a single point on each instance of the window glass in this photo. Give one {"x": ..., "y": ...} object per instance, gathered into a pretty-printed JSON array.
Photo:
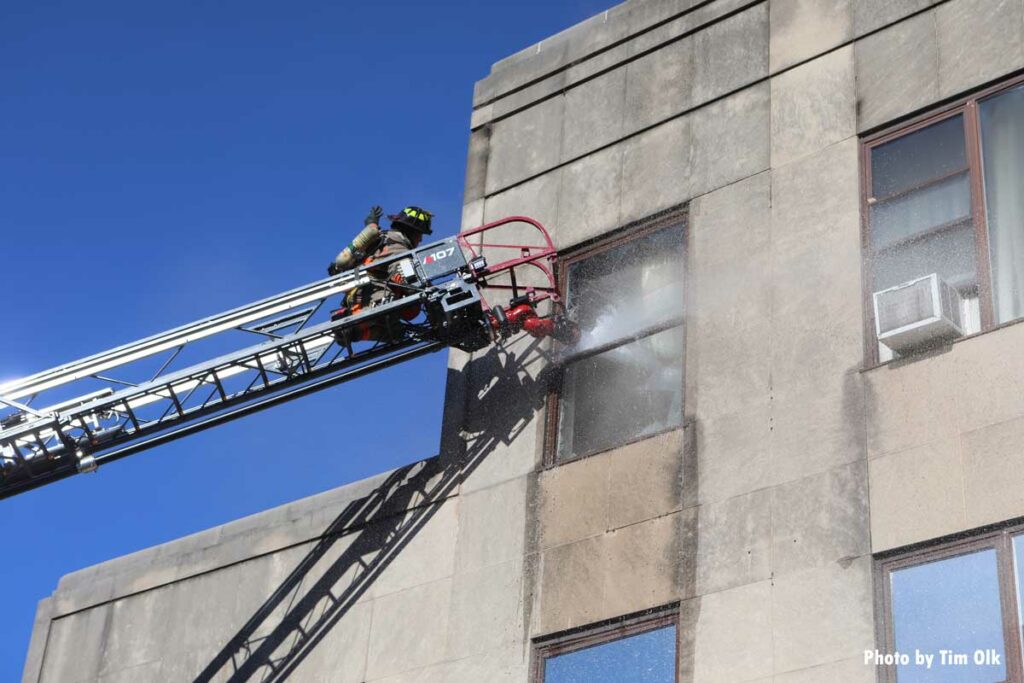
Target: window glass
[
  {"x": 630, "y": 287},
  {"x": 627, "y": 392},
  {"x": 1002, "y": 143},
  {"x": 648, "y": 657},
  {"x": 909, "y": 215},
  {"x": 950, "y": 253},
  {"x": 951, "y": 604},
  {"x": 915, "y": 159},
  {"x": 624, "y": 379},
  {"x": 921, "y": 210}
]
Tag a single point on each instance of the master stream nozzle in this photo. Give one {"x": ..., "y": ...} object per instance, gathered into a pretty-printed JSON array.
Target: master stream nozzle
[{"x": 522, "y": 316}]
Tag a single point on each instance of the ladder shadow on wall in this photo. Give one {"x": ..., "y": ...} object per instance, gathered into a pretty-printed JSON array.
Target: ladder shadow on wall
[{"x": 332, "y": 577}]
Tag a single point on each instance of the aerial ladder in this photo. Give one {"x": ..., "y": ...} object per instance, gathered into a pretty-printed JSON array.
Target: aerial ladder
[{"x": 468, "y": 291}]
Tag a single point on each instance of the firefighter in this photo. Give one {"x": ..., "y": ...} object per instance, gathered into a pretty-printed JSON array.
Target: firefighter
[{"x": 407, "y": 230}]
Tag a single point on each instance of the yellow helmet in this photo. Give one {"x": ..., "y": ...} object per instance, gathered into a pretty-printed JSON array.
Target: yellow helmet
[{"x": 414, "y": 218}]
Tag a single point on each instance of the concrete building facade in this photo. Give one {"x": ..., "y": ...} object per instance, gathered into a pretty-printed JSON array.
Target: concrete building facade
[{"x": 740, "y": 466}]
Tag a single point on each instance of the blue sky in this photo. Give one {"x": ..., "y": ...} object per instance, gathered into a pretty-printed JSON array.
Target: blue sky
[{"x": 162, "y": 162}]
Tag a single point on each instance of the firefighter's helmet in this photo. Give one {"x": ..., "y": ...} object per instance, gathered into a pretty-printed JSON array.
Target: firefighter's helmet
[{"x": 412, "y": 218}]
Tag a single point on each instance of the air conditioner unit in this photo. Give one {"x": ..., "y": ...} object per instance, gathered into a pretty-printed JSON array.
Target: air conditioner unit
[{"x": 918, "y": 314}]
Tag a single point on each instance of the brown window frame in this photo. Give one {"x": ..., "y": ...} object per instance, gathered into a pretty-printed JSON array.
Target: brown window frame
[
  {"x": 966, "y": 106},
  {"x": 998, "y": 538},
  {"x": 602, "y": 633},
  {"x": 678, "y": 215}
]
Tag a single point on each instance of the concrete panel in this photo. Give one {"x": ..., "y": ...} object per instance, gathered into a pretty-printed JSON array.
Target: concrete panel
[
  {"x": 590, "y": 197},
  {"x": 481, "y": 116},
  {"x": 817, "y": 198},
  {"x": 813, "y": 106},
  {"x": 816, "y": 428},
  {"x": 734, "y": 545},
  {"x": 476, "y": 164},
  {"x": 526, "y": 144},
  {"x": 730, "y": 139},
  {"x": 730, "y": 224},
  {"x": 519, "y": 69},
  {"x": 734, "y": 635},
  {"x": 734, "y": 453},
  {"x": 731, "y": 54},
  {"x": 989, "y": 378},
  {"x": 211, "y": 600},
  {"x": 846, "y": 671},
  {"x": 659, "y": 85},
  {"x": 587, "y": 497},
  {"x": 498, "y": 666},
  {"x": 871, "y": 15},
  {"x": 822, "y": 615},
  {"x": 694, "y": 16},
  {"x": 37, "y": 645},
  {"x": 537, "y": 199},
  {"x": 492, "y": 526},
  {"x": 817, "y": 332},
  {"x": 803, "y": 29},
  {"x": 514, "y": 102},
  {"x": 652, "y": 466},
  {"x": 504, "y": 422},
  {"x": 75, "y": 646},
  {"x": 641, "y": 566},
  {"x": 486, "y": 610},
  {"x": 408, "y": 629},
  {"x": 979, "y": 40},
  {"x": 594, "y": 114},
  {"x": 138, "y": 631},
  {"x": 656, "y": 170},
  {"x": 910, "y": 404},
  {"x": 429, "y": 554},
  {"x": 574, "y": 501},
  {"x": 645, "y": 13},
  {"x": 150, "y": 671},
  {"x": 916, "y": 495},
  {"x": 589, "y": 46},
  {"x": 472, "y": 216},
  {"x": 340, "y": 657},
  {"x": 993, "y": 462},
  {"x": 820, "y": 519},
  {"x": 897, "y": 71},
  {"x": 572, "y": 585},
  {"x": 728, "y": 364}
]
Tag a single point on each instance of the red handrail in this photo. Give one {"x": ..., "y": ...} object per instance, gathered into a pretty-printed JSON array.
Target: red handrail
[{"x": 543, "y": 256}]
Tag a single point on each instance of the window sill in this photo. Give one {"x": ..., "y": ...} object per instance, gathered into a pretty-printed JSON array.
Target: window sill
[
  {"x": 939, "y": 350},
  {"x": 554, "y": 463}
]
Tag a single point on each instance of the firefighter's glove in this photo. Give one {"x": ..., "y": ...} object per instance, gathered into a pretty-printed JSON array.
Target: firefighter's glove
[
  {"x": 374, "y": 216},
  {"x": 333, "y": 269}
]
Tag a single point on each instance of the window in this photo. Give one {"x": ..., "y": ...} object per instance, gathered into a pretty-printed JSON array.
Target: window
[
  {"x": 961, "y": 598},
  {"x": 624, "y": 380},
  {"x": 942, "y": 197},
  {"x": 637, "y": 650}
]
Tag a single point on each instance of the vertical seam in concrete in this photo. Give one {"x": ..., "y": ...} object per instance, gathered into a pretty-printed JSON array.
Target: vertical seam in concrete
[
  {"x": 369, "y": 637},
  {"x": 960, "y": 450},
  {"x": 451, "y": 599},
  {"x": 771, "y": 408}
]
